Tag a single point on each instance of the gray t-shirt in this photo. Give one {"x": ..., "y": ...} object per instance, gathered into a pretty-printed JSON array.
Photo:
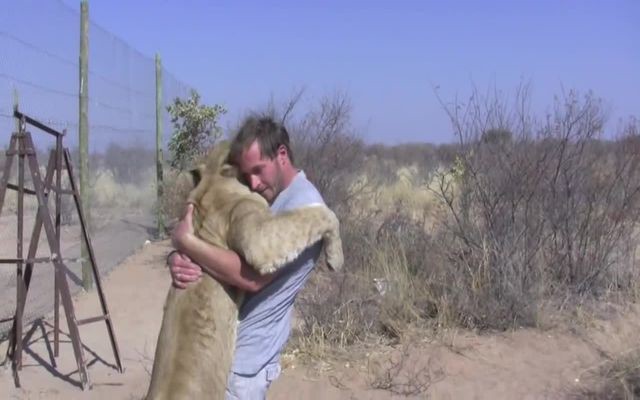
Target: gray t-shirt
[{"x": 264, "y": 323}]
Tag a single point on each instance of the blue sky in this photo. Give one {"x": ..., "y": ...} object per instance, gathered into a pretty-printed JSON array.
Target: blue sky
[{"x": 387, "y": 55}]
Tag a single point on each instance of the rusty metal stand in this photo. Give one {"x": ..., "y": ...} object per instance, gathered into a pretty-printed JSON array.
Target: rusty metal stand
[{"x": 21, "y": 144}]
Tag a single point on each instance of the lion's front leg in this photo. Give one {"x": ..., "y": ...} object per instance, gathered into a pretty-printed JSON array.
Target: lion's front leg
[
  {"x": 269, "y": 242},
  {"x": 333, "y": 247}
]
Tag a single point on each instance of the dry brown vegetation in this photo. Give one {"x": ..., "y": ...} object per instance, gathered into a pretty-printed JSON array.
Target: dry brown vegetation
[
  {"x": 616, "y": 379},
  {"x": 520, "y": 219},
  {"x": 122, "y": 179}
]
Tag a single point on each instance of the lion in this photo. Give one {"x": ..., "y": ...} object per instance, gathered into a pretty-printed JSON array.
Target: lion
[{"x": 196, "y": 342}]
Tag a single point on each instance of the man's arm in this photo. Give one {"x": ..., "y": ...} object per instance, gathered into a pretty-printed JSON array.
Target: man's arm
[{"x": 224, "y": 265}]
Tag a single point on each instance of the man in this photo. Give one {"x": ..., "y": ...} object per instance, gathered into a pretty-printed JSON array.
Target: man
[{"x": 263, "y": 155}]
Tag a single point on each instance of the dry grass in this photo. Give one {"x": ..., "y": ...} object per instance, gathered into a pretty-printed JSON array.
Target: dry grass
[
  {"x": 519, "y": 229},
  {"x": 108, "y": 193},
  {"x": 123, "y": 179},
  {"x": 380, "y": 299},
  {"x": 10, "y": 205},
  {"x": 616, "y": 379},
  {"x": 411, "y": 192}
]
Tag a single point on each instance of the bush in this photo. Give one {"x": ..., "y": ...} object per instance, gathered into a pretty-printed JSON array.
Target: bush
[
  {"x": 195, "y": 129},
  {"x": 536, "y": 211},
  {"x": 535, "y": 215}
]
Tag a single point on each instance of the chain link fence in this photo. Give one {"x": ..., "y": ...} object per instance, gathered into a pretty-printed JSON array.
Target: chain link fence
[{"x": 39, "y": 70}]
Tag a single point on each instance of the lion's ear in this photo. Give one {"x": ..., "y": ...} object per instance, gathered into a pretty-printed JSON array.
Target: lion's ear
[
  {"x": 196, "y": 176},
  {"x": 229, "y": 171}
]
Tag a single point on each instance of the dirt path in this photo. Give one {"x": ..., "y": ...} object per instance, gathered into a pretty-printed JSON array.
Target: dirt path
[
  {"x": 525, "y": 364},
  {"x": 135, "y": 294}
]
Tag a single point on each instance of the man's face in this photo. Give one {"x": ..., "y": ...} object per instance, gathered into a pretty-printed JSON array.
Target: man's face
[{"x": 264, "y": 176}]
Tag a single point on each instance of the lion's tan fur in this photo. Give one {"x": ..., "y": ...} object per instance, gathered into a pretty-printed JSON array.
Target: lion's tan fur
[{"x": 197, "y": 338}]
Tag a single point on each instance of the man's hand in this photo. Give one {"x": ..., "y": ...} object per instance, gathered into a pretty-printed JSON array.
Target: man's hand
[
  {"x": 184, "y": 272},
  {"x": 183, "y": 231}
]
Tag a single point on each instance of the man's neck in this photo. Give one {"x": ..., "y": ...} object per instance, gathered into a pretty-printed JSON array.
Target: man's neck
[{"x": 289, "y": 173}]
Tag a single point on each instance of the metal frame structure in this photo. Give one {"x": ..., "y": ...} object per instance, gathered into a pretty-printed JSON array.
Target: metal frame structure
[{"x": 21, "y": 145}]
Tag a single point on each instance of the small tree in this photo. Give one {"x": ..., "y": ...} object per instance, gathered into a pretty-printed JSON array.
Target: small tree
[{"x": 195, "y": 128}]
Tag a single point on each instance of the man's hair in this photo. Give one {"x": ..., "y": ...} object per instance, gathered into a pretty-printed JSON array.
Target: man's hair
[{"x": 269, "y": 134}]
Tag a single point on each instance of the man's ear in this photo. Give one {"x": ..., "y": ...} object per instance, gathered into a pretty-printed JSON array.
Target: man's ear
[
  {"x": 196, "y": 176},
  {"x": 282, "y": 152}
]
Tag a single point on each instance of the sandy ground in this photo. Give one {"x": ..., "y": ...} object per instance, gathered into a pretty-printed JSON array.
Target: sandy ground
[{"x": 525, "y": 364}]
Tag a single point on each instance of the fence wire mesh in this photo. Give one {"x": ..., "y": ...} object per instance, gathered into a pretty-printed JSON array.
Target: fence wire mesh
[{"x": 39, "y": 65}]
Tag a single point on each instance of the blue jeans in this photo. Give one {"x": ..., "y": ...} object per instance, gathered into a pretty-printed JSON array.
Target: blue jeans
[{"x": 252, "y": 387}]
